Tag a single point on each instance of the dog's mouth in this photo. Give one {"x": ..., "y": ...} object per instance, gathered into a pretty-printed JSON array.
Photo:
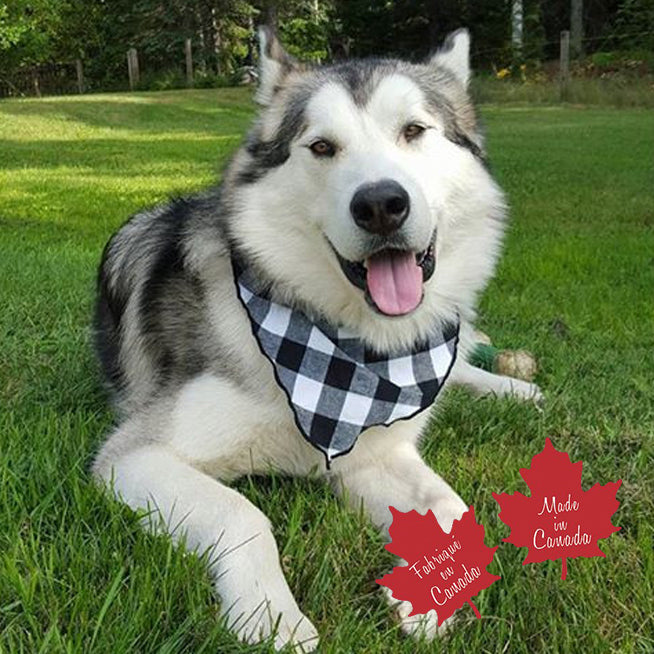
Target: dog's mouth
[{"x": 392, "y": 279}]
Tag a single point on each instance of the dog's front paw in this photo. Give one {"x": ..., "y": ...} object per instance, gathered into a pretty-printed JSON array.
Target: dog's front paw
[
  {"x": 524, "y": 391},
  {"x": 256, "y": 601},
  {"x": 423, "y": 626},
  {"x": 302, "y": 635},
  {"x": 297, "y": 631},
  {"x": 254, "y": 622}
]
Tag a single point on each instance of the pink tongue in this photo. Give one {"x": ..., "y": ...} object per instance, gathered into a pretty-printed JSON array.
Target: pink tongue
[{"x": 394, "y": 281}]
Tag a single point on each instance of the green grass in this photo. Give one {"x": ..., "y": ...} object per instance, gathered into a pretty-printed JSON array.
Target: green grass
[{"x": 575, "y": 286}]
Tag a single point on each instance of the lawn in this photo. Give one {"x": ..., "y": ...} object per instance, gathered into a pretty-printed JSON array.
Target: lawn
[{"x": 575, "y": 286}]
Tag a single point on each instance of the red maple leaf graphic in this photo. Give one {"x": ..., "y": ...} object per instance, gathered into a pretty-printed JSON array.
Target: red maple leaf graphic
[
  {"x": 443, "y": 571},
  {"x": 559, "y": 520}
]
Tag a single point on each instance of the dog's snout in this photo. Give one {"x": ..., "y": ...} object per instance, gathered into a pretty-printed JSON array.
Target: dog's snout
[{"x": 381, "y": 207}]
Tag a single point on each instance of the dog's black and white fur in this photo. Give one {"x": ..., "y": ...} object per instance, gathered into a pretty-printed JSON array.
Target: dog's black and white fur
[{"x": 199, "y": 405}]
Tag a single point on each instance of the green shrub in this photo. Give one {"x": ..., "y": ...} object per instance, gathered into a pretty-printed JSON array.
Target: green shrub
[
  {"x": 210, "y": 80},
  {"x": 162, "y": 81},
  {"x": 617, "y": 91}
]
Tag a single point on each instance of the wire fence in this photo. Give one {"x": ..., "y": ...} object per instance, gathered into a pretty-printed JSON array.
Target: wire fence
[
  {"x": 42, "y": 79},
  {"x": 67, "y": 78}
]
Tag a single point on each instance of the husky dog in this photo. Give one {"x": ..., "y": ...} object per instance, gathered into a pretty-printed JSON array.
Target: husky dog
[{"x": 360, "y": 196}]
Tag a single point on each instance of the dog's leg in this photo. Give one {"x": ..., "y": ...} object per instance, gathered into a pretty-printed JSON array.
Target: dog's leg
[
  {"x": 482, "y": 382},
  {"x": 213, "y": 518},
  {"x": 393, "y": 474}
]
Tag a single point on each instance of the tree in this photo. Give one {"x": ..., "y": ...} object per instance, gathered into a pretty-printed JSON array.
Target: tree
[
  {"x": 28, "y": 31},
  {"x": 634, "y": 25}
]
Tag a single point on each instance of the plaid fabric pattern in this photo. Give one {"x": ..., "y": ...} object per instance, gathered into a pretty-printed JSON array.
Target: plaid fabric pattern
[{"x": 337, "y": 387}]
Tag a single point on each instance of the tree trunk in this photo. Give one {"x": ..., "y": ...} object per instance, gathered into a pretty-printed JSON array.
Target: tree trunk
[
  {"x": 217, "y": 40},
  {"x": 271, "y": 13},
  {"x": 576, "y": 28},
  {"x": 202, "y": 62},
  {"x": 517, "y": 18},
  {"x": 204, "y": 37}
]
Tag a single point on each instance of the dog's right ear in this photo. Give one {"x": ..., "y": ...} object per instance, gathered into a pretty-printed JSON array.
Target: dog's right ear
[{"x": 274, "y": 65}]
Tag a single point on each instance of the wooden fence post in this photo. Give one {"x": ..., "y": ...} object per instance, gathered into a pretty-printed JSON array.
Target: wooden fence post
[
  {"x": 133, "y": 68},
  {"x": 188, "y": 52},
  {"x": 80, "y": 76},
  {"x": 564, "y": 73}
]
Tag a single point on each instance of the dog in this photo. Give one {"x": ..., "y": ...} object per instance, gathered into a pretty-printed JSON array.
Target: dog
[{"x": 360, "y": 200}]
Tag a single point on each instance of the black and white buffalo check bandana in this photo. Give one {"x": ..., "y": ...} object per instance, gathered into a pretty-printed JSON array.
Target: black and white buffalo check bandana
[{"x": 335, "y": 385}]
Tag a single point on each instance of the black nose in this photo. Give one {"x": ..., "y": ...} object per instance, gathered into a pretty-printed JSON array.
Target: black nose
[{"x": 381, "y": 207}]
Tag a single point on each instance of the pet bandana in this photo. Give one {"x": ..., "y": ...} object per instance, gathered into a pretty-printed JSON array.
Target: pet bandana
[{"x": 335, "y": 385}]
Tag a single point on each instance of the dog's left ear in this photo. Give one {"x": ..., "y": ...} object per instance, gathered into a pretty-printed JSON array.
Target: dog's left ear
[
  {"x": 454, "y": 55},
  {"x": 274, "y": 64}
]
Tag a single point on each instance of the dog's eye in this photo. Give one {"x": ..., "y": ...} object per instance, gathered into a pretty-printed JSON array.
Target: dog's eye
[
  {"x": 412, "y": 131},
  {"x": 322, "y": 148}
]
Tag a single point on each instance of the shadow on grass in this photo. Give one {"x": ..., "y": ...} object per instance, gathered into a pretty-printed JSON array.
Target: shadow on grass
[{"x": 118, "y": 156}]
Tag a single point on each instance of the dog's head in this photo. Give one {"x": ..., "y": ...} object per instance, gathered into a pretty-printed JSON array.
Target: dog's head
[{"x": 363, "y": 191}]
